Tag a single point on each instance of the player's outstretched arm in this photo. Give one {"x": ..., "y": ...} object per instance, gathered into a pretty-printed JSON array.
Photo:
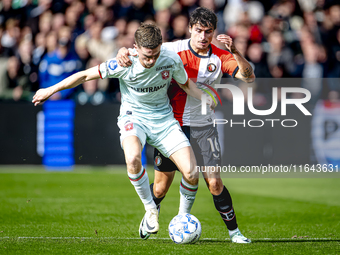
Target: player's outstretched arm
[
  {"x": 191, "y": 89},
  {"x": 70, "y": 82},
  {"x": 245, "y": 72}
]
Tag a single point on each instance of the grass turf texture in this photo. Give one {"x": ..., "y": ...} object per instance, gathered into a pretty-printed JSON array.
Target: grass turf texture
[{"x": 97, "y": 211}]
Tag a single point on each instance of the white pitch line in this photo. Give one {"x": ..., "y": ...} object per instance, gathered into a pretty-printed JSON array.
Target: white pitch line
[{"x": 158, "y": 238}]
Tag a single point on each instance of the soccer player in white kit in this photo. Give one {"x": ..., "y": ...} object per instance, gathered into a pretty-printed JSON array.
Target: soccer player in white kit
[
  {"x": 145, "y": 114},
  {"x": 205, "y": 63}
]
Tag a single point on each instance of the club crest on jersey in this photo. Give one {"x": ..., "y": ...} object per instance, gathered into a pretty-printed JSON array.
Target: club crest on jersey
[
  {"x": 128, "y": 126},
  {"x": 165, "y": 74},
  {"x": 211, "y": 67},
  {"x": 158, "y": 161}
]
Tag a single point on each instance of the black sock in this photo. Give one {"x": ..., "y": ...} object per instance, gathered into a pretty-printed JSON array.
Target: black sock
[
  {"x": 224, "y": 206},
  {"x": 155, "y": 199}
]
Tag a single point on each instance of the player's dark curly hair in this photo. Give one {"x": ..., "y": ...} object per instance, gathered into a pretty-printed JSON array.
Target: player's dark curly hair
[
  {"x": 148, "y": 36},
  {"x": 204, "y": 17}
]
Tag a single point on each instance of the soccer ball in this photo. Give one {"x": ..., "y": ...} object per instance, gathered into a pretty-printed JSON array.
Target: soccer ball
[{"x": 185, "y": 228}]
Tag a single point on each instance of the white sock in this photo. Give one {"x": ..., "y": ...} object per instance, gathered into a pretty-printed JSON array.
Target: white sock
[
  {"x": 231, "y": 232},
  {"x": 141, "y": 183},
  {"x": 188, "y": 194}
]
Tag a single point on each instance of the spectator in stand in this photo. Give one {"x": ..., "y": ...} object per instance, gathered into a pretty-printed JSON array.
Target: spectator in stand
[
  {"x": 72, "y": 21},
  {"x": 124, "y": 8},
  {"x": 312, "y": 71},
  {"x": 162, "y": 18},
  {"x": 45, "y": 22},
  {"x": 11, "y": 35},
  {"x": 82, "y": 52},
  {"x": 14, "y": 86},
  {"x": 267, "y": 25},
  {"x": 312, "y": 26},
  {"x": 97, "y": 47},
  {"x": 33, "y": 18},
  {"x": 279, "y": 55},
  {"x": 40, "y": 48},
  {"x": 28, "y": 70},
  {"x": 121, "y": 26},
  {"x": 179, "y": 28},
  {"x": 242, "y": 44},
  {"x": 104, "y": 15},
  {"x": 59, "y": 64},
  {"x": 188, "y": 6},
  {"x": 257, "y": 57},
  {"x": 51, "y": 42},
  {"x": 140, "y": 10},
  {"x": 237, "y": 11},
  {"x": 128, "y": 39},
  {"x": 58, "y": 21},
  {"x": 8, "y": 12},
  {"x": 112, "y": 5}
]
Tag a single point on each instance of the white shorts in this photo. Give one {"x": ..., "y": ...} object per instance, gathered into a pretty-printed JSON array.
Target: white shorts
[{"x": 164, "y": 134}]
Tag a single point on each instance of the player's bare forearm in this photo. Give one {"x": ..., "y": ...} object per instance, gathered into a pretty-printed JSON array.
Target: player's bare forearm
[
  {"x": 70, "y": 82},
  {"x": 192, "y": 90},
  {"x": 245, "y": 71}
]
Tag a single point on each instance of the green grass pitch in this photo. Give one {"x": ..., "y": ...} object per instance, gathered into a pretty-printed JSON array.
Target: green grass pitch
[{"x": 97, "y": 211}]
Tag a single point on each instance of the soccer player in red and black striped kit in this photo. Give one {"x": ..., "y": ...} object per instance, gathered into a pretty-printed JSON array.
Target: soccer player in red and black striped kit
[{"x": 205, "y": 64}]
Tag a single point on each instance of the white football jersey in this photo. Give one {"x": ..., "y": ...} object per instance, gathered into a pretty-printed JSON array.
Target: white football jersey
[{"x": 144, "y": 90}]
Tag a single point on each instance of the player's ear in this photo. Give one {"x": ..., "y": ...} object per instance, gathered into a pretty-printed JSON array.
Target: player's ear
[
  {"x": 190, "y": 28},
  {"x": 135, "y": 46}
]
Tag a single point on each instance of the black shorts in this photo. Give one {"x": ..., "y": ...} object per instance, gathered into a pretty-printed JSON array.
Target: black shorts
[{"x": 205, "y": 144}]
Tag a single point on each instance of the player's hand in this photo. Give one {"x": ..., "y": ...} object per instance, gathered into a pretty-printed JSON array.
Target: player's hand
[
  {"x": 41, "y": 96},
  {"x": 229, "y": 43},
  {"x": 212, "y": 103},
  {"x": 123, "y": 57}
]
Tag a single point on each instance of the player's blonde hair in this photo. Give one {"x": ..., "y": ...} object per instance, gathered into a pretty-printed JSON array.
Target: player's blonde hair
[{"x": 148, "y": 36}]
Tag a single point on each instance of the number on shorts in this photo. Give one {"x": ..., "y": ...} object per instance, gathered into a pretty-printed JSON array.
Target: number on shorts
[{"x": 214, "y": 148}]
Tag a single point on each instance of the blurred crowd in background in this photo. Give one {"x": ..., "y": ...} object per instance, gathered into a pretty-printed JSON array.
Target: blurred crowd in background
[{"x": 44, "y": 41}]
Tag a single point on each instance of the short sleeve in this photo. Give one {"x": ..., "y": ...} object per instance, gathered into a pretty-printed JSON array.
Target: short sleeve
[
  {"x": 111, "y": 69},
  {"x": 168, "y": 46},
  {"x": 171, "y": 46},
  {"x": 229, "y": 64},
  {"x": 179, "y": 74}
]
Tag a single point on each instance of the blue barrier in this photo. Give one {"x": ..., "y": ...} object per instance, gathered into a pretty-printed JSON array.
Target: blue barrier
[{"x": 58, "y": 135}]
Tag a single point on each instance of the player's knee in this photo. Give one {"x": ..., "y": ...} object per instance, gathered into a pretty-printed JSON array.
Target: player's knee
[
  {"x": 191, "y": 176},
  {"x": 159, "y": 190},
  {"x": 133, "y": 163},
  {"x": 215, "y": 186},
  {"x": 191, "y": 179}
]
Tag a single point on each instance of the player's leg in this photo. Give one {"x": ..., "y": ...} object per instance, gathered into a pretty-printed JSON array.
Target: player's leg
[
  {"x": 185, "y": 160},
  {"x": 224, "y": 205},
  {"x": 133, "y": 138},
  {"x": 187, "y": 190},
  {"x": 164, "y": 175},
  {"x": 158, "y": 189},
  {"x": 136, "y": 172},
  {"x": 208, "y": 146},
  {"x": 139, "y": 178},
  {"x": 161, "y": 185},
  {"x": 173, "y": 143}
]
